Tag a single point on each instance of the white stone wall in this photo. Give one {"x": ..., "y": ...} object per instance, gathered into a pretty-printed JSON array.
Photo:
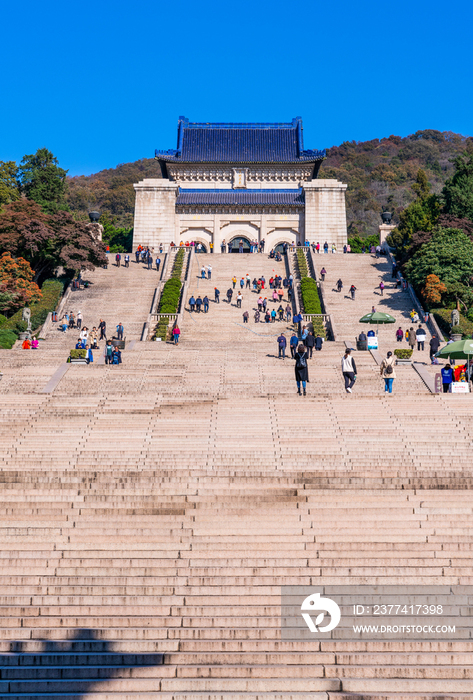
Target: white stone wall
[
  {"x": 155, "y": 217},
  {"x": 325, "y": 212}
]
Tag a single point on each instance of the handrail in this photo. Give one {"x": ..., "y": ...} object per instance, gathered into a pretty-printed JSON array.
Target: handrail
[
  {"x": 47, "y": 325},
  {"x": 185, "y": 287}
]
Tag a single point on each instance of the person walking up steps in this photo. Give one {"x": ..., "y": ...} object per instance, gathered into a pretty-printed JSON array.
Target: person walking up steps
[
  {"x": 209, "y": 272},
  {"x": 352, "y": 291},
  {"x": 388, "y": 372},
  {"x": 301, "y": 369},
  {"x": 206, "y": 302},
  {"x": 239, "y": 300},
  {"x": 217, "y": 295},
  {"x": 229, "y": 295},
  {"x": 420, "y": 337},
  {"x": 257, "y": 316},
  {"x": 246, "y": 316},
  {"x": 293, "y": 345},
  {"x": 381, "y": 288},
  {"x": 234, "y": 281},
  {"x": 348, "y": 370},
  {"x": 339, "y": 286},
  {"x": 282, "y": 346}
]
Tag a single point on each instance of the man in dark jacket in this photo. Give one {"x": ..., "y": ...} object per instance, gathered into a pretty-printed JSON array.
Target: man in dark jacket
[
  {"x": 217, "y": 295},
  {"x": 206, "y": 303},
  {"x": 198, "y": 304},
  {"x": 229, "y": 295},
  {"x": 310, "y": 343},
  {"x": 282, "y": 346},
  {"x": 434, "y": 346},
  {"x": 102, "y": 327},
  {"x": 319, "y": 342},
  {"x": 192, "y": 303},
  {"x": 293, "y": 344}
]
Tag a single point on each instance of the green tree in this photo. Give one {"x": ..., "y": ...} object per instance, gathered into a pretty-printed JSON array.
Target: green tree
[
  {"x": 9, "y": 190},
  {"x": 449, "y": 256},
  {"x": 120, "y": 240},
  {"x": 457, "y": 193},
  {"x": 420, "y": 215},
  {"x": 43, "y": 181}
]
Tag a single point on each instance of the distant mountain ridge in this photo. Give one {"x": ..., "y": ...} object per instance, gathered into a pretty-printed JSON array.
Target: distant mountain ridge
[{"x": 379, "y": 174}]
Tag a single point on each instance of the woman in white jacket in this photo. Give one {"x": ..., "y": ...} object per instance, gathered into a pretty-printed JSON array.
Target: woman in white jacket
[{"x": 348, "y": 370}]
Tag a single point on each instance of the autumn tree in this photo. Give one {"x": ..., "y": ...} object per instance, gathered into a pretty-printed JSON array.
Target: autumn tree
[
  {"x": 42, "y": 180},
  {"x": 433, "y": 290},
  {"x": 17, "y": 288},
  {"x": 48, "y": 241}
]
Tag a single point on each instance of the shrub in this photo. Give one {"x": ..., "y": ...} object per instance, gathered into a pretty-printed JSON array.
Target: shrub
[
  {"x": 3, "y": 319},
  {"x": 79, "y": 354},
  {"x": 161, "y": 329},
  {"x": 404, "y": 354},
  {"x": 302, "y": 262},
  {"x": 444, "y": 318},
  {"x": 178, "y": 264},
  {"x": 7, "y": 339},
  {"x": 310, "y": 296},
  {"x": 21, "y": 326},
  {"x": 52, "y": 292},
  {"x": 357, "y": 242},
  {"x": 170, "y": 296}
]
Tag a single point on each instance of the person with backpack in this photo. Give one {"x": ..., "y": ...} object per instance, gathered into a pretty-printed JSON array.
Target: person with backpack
[
  {"x": 352, "y": 291},
  {"x": 381, "y": 288},
  {"x": 348, "y": 370},
  {"x": 108, "y": 352},
  {"x": 282, "y": 346},
  {"x": 388, "y": 372},
  {"x": 339, "y": 285},
  {"x": 217, "y": 295},
  {"x": 118, "y": 257},
  {"x": 127, "y": 260},
  {"x": 301, "y": 368},
  {"x": 447, "y": 378}
]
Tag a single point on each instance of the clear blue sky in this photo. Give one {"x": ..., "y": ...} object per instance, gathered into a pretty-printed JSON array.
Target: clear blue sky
[{"x": 101, "y": 83}]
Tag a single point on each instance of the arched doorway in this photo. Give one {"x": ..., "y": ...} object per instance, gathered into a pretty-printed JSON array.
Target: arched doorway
[
  {"x": 234, "y": 244},
  {"x": 280, "y": 247},
  {"x": 200, "y": 247}
]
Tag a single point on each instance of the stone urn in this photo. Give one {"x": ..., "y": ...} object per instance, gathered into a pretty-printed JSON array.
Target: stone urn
[
  {"x": 94, "y": 216},
  {"x": 386, "y": 217},
  {"x": 456, "y": 336}
]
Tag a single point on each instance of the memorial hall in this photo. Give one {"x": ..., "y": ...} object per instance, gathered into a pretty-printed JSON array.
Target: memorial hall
[{"x": 239, "y": 182}]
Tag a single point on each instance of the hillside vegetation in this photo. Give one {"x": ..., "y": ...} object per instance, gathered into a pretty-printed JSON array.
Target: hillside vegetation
[{"x": 379, "y": 174}]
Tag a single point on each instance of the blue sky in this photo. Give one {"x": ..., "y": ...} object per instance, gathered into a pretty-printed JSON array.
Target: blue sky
[{"x": 101, "y": 83}]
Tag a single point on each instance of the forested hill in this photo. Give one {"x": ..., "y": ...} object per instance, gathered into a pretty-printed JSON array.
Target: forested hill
[{"x": 379, "y": 174}]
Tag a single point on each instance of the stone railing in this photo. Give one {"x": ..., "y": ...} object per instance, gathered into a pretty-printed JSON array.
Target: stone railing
[
  {"x": 48, "y": 324},
  {"x": 187, "y": 279},
  {"x": 155, "y": 316}
]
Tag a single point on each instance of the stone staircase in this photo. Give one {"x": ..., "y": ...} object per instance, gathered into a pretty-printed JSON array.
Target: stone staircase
[{"x": 151, "y": 513}]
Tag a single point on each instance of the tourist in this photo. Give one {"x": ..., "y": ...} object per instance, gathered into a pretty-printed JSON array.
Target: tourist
[
  {"x": 293, "y": 344},
  {"x": 381, "y": 288},
  {"x": 267, "y": 317},
  {"x": 102, "y": 329},
  {"x": 192, "y": 303},
  {"x": 281, "y": 313},
  {"x": 394, "y": 270},
  {"x": 239, "y": 300},
  {"x": 280, "y": 295},
  {"x": 223, "y": 246},
  {"x": 344, "y": 249},
  {"x": 149, "y": 262},
  {"x": 206, "y": 303},
  {"x": 79, "y": 320},
  {"x": 273, "y": 315},
  {"x": 288, "y": 313},
  {"x": 255, "y": 284},
  {"x": 26, "y": 345},
  {"x": 263, "y": 281},
  {"x": 298, "y": 319},
  {"x": 301, "y": 369},
  {"x": 282, "y": 346},
  {"x": 373, "y": 310},
  {"x": 234, "y": 281},
  {"x": 317, "y": 248},
  {"x": 304, "y": 333},
  {"x": 260, "y": 304},
  {"x": 257, "y": 316},
  {"x": 348, "y": 370},
  {"x": 420, "y": 337},
  {"x": 137, "y": 254},
  {"x": 202, "y": 272},
  {"x": 378, "y": 251},
  {"x": 88, "y": 354},
  {"x": 399, "y": 335},
  {"x": 116, "y": 356},
  {"x": 275, "y": 296},
  {"x": 118, "y": 257},
  {"x": 175, "y": 334},
  {"x": 93, "y": 337},
  {"x": 127, "y": 263},
  {"x": 319, "y": 342},
  {"x": 229, "y": 295},
  {"x": 434, "y": 346},
  {"x": 334, "y": 248},
  {"x": 158, "y": 263},
  {"x": 120, "y": 330},
  {"x": 34, "y": 343},
  {"x": 411, "y": 338},
  {"x": 198, "y": 304},
  {"x": 217, "y": 295},
  {"x": 248, "y": 281},
  {"x": 388, "y": 372},
  {"x": 447, "y": 378},
  {"x": 265, "y": 304},
  {"x": 352, "y": 291},
  {"x": 78, "y": 344},
  {"x": 71, "y": 320},
  {"x": 209, "y": 272},
  {"x": 108, "y": 352},
  {"x": 363, "y": 249},
  {"x": 242, "y": 283},
  {"x": 323, "y": 272},
  {"x": 240, "y": 247},
  {"x": 310, "y": 343},
  {"x": 348, "y": 248},
  {"x": 84, "y": 334},
  {"x": 415, "y": 318},
  {"x": 246, "y": 316},
  {"x": 339, "y": 285}
]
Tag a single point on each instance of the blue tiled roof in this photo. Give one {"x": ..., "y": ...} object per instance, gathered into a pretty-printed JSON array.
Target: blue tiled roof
[
  {"x": 291, "y": 198},
  {"x": 240, "y": 143}
]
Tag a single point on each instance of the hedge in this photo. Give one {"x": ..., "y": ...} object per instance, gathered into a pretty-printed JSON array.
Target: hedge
[
  {"x": 52, "y": 291},
  {"x": 3, "y": 319},
  {"x": 356, "y": 243},
  {"x": 403, "y": 354},
  {"x": 170, "y": 296},
  {"x": 78, "y": 354},
  {"x": 444, "y": 318},
  {"x": 161, "y": 329},
  {"x": 178, "y": 264},
  {"x": 310, "y": 296},
  {"x": 302, "y": 262},
  {"x": 7, "y": 339}
]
